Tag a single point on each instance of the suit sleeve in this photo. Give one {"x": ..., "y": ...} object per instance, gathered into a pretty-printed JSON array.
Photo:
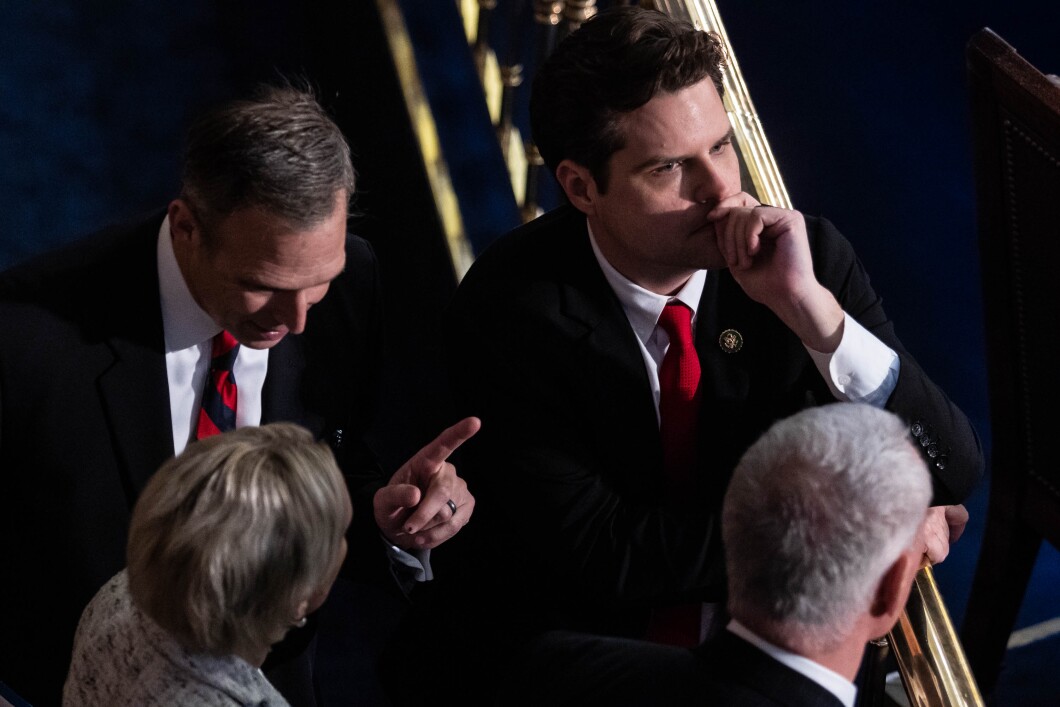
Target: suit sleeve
[{"x": 944, "y": 434}]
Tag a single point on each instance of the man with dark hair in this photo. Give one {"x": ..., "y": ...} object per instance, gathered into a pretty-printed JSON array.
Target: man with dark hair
[
  {"x": 625, "y": 349},
  {"x": 820, "y": 524},
  {"x": 118, "y": 351}
]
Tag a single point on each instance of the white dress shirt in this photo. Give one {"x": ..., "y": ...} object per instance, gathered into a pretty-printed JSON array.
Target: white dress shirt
[
  {"x": 189, "y": 333},
  {"x": 862, "y": 369}
]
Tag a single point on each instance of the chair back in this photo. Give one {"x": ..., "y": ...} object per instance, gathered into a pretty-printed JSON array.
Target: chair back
[{"x": 1016, "y": 132}]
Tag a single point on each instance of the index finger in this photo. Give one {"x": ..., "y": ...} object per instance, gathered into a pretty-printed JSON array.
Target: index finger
[
  {"x": 450, "y": 440},
  {"x": 742, "y": 200}
]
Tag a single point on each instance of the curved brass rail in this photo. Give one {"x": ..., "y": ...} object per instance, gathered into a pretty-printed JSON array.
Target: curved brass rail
[{"x": 933, "y": 666}]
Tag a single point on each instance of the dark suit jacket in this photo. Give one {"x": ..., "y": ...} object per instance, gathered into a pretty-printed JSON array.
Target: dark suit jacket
[
  {"x": 563, "y": 668},
  {"x": 736, "y": 674},
  {"x": 84, "y": 421},
  {"x": 570, "y": 529}
]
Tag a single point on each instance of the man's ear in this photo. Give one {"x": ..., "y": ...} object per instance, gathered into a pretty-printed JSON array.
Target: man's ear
[
  {"x": 303, "y": 608},
  {"x": 182, "y": 222},
  {"x": 579, "y": 186},
  {"x": 892, "y": 592}
]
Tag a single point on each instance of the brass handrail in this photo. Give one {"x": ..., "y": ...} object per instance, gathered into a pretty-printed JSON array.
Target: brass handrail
[{"x": 930, "y": 658}]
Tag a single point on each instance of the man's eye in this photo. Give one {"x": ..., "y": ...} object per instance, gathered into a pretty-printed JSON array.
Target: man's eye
[
  {"x": 720, "y": 147},
  {"x": 666, "y": 167}
]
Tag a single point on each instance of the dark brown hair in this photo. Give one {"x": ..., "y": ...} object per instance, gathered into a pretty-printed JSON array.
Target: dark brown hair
[{"x": 613, "y": 65}]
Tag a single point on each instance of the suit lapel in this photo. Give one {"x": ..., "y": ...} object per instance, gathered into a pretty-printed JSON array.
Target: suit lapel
[
  {"x": 725, "y": 377},
  {"x": 135, "y": 395},
  {"x": 610, "y": 359},
  {"x": 134, "y": 389},
  {"x": 281, "y": 396}
]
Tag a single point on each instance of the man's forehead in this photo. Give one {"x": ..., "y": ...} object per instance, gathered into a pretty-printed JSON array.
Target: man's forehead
[
  {"x": 674, "y": 117},
  {"x": 263, "y": 226},
  {"x": 258, "y": 240}
]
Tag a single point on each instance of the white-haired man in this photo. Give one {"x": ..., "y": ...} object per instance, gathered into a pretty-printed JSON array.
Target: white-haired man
[{"x": 820, "y": 529}]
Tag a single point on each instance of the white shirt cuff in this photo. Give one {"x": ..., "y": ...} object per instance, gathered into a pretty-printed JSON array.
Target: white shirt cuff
[
  {"x": 408, "y": 566},
  {"x": 863, "y": 369}
]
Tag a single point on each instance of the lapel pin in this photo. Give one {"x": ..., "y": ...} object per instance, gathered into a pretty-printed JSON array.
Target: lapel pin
[{"x": 730, "y": 341}]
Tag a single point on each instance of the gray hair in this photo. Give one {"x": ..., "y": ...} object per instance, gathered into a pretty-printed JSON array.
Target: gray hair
[
  {"x": 817, "y": 510},
  {"x": 228, "y": 537},
  {"x": 279, "y": 151}
]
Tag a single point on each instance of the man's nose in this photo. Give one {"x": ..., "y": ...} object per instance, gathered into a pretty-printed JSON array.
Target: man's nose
[
  {"x": 290, "y": 308},
  {"x": 710, "y": 186}
]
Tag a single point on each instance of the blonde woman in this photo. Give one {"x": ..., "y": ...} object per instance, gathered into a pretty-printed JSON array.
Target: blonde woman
[{"x": 230, "y": 544}]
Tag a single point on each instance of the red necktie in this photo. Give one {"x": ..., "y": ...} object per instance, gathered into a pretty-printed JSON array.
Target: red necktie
[
  {"x": 679, "y": 401},
  {"x": 218, "y": 411},
  {"x": 679, "y": 398}
]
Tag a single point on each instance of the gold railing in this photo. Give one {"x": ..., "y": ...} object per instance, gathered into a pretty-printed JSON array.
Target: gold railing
[
  {"x": 930, "y": 657},
  {"x": 552, "y": 19},
  {"x": 426, "y": 132}
]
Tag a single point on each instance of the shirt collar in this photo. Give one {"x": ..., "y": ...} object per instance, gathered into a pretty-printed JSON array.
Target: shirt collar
[
  {"x": 183, "y": 320},
  {"x": 644, "y": 307},
  {"x": 830, "y": 680}
]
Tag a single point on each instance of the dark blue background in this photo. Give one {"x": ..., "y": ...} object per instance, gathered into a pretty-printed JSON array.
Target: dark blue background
[{"x": 864, "y": 104}]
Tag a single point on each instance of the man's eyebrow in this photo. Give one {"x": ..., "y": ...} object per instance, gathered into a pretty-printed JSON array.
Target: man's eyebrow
[
  {"x": 656, "y": 160},
  {"x": 255, "y": 285},
  {"x": 247, "y": 283},
  {"x": 729, "y": 136}
]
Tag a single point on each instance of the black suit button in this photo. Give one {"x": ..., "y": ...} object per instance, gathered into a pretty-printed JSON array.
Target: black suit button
[
  {"x": 933, "y": 450},
  {"x": 917, "y": 429},
  {"x": 941, "y": 462}
]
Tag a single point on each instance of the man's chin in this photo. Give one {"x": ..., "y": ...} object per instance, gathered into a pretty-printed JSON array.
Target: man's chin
[
  {"x": 707, "y": 255},
  {"x": 715, "y": 264},
  {"x": 712, "y": 260},
  {"x": 262, "y": 339}
]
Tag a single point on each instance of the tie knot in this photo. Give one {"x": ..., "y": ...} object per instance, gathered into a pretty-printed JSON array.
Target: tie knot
[
  {"x": 224, "y": 351},
  {"x": 676, "y": 320}
]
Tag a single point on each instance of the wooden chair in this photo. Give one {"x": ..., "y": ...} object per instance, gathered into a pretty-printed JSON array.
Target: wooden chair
[{"x": 1016, "y": 129}]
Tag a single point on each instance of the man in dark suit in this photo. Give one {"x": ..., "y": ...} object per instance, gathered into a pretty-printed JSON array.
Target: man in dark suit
[
  {"x": 106, "y": 352},
  {"x": 820, "y": 528},
  {"x": 604, "y": 517}
]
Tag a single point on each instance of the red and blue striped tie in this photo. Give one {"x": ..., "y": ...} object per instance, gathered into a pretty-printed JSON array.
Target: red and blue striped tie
[{"x": 218, "y": 412}]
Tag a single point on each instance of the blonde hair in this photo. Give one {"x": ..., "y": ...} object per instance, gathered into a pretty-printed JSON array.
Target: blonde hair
[{"x": 228, "y": 537}]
